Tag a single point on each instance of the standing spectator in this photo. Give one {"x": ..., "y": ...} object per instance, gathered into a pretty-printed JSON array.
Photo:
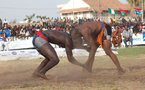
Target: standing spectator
[
  {"x": 127, "y": 35},
  {"x": 2, "y": 41},
  {"x": 116, "y": 37},
  {"x": 41, "y": 21},
  {"x": 5, "y": 23},
  {"x": 0, "y": 23},
  {"x": 1, "y": 31},
  {"x": 7, "y": 33},
  {"x": 13, "y": 33}
]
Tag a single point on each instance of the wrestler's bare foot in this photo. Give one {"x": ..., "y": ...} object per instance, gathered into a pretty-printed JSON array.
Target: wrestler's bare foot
[
  {"x": 120, "y": 72},
  {"x": 37, "y": 74},
  {"x": 86, "y": 68}
]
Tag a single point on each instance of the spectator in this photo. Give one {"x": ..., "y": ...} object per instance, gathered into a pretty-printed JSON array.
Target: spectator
[
  {"x": 7, "y": 33},
  {"x": 1, "y": 31},
  {"x": 116, "y": 37},
  {"x": 13, "y": 33},
  {"x": 127, "y": 35},
  {"x": 2, "y": 41},
  {"x": 22, "y": 33},
  {"x": 59, "y": 28},
  {"x": 44, "y": 27},
  {"x": 5, "y": 23},
  {"x": 121, "y": 29},
  {"x": 0, "y": 23},
  {"x": 31, "y": 31}
]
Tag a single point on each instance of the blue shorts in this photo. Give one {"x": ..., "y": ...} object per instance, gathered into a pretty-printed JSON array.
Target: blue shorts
[{"x": 38, "y": 41}]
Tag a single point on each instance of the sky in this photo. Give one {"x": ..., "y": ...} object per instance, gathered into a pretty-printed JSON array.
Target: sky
[{"x": 18, "y": 9}]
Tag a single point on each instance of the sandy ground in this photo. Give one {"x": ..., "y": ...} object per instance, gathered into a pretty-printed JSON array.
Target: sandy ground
[{"x": 17, "y": 75}]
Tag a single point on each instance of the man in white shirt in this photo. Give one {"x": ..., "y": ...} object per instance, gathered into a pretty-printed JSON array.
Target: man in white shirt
[{"x": 127, "y": 35}]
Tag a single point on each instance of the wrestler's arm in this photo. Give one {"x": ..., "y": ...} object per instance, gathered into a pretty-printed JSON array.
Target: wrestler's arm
[{"x": 69, "y": 53}]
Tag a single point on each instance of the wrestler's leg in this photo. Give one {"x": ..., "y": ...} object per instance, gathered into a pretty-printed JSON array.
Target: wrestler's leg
[
  {"x": 93, "y": 47},
  {"x": 43, "y": 63},
  {"x": 49, "y": 53},
  {"x": 89, "y": 63},
  {"x": 114, "y": 44},
  {"x": 108, "y": 51}
]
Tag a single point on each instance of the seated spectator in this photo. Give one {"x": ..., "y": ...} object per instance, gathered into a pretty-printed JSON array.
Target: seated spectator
[
  {"x": 58, "y": 28},
  {"x": 31, "y": 31},
  {"x": 22, "y": 34},
  {"x": 127, "y": 35},
  {"x": 116, "y": 37},
  {"x": 143, "y": 30},
  {"x": 44, "y": 27},
  {"x": 27, "y": 33},
  {"x": 121, "y": 29}
]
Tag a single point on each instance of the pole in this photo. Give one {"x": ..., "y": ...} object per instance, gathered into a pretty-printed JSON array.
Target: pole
[
  {"x": 73, "y": 11},
  {"x": 98, "y": 14},
  {"x": 142, "y": 10}
]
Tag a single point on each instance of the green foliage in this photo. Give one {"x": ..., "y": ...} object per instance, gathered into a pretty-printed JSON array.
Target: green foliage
[
  {"x": 135, "y": 3},
  {"x": 115, "y": 89},
  {"x": 28, "y": 85},
  {"x": 94, "y": 12},
  {"x": 41, "y": 17},
  {"x": 131, "y": 52},
  {"x": 29, "y": 18}
]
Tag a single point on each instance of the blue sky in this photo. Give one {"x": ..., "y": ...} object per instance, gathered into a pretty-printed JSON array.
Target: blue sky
[{"x": 18, "y": 9}]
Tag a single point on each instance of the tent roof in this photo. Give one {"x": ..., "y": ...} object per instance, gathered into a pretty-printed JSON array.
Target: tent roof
[
  {"x": 87, "y": 5},
  {"x": 75, "y": 5},
  {"x": 105, "y": 4}
]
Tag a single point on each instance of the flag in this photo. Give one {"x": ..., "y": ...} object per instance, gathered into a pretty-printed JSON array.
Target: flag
[
  {"x": 111, "y": 11},
  {"x": 100, "y": 10},
  {"x": 138, "y": 11},
  {"x": 123, "y": 12},
  {"x": 94, "y": 12}
]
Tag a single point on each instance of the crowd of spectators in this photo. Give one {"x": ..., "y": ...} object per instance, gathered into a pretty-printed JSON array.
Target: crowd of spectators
[
  {"x": 14, "y": 32},
  {"x": 24, "y": 31}
]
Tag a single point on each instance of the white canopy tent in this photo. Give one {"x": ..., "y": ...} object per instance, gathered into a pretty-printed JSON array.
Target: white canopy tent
[{"x": 74, "y": 4}]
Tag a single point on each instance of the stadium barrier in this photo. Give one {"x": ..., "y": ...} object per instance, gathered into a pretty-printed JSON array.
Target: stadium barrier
[{"x": 20, "y": 48}]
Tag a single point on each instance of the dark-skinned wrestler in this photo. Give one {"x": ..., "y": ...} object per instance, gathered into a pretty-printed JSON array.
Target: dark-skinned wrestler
[
  {"x": 95, "y": 34},
  {"x": 42, "y": 42}
]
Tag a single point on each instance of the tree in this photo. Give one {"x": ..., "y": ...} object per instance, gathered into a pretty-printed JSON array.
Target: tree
[
  {"x": 134, "y": 4},
  {"x": 41, "y": 17},
  {"x": 29, "y": 18}
]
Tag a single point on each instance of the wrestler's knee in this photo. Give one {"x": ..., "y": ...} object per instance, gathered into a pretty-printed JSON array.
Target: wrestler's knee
[
  {"x": 45, "y": 61},
  {"x": 70, "y": 59},
  {"x": 56, "y": 61},
  {"x": 108, "y": 52}
]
